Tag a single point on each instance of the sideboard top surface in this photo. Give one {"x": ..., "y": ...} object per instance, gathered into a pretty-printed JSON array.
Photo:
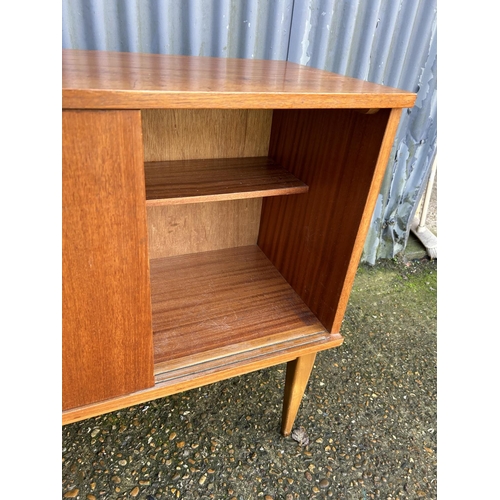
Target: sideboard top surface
[{"x": 128, "y": 80}]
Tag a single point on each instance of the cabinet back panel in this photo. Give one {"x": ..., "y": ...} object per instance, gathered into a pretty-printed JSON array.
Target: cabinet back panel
[
  {"x": 192, "y": 134},
  {"x": 107, "y": 333},
  {"x": 201, "y": 227},
  {"x": 189, "y": 134},
  {"x": 311, "y": 238}
]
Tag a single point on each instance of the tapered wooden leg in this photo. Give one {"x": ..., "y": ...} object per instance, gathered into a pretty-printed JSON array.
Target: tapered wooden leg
[{"x": 297, "y": 376}]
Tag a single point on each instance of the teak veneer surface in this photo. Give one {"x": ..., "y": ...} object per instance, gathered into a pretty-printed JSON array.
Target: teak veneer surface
[
  {"x": 107, "y": 80},
  {"x": 107, "y": 341},
  {"x": 195, "y": 134},
  {"x": 216, "y": 299},
  {"x": 190, "y": 181},
  {"x": 213, "y": 370},
  {"x": 201, "y": 227},
  {"x": 312, "y": 239}
]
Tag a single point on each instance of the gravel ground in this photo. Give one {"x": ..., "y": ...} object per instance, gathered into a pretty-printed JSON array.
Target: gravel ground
[{"x": 369, "y": 416}]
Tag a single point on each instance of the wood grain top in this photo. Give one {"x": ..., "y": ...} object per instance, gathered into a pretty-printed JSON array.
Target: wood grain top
[{"x": 128, "y": 80}]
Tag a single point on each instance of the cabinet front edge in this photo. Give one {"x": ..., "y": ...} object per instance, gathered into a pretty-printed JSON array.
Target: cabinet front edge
[{"x": 116, "y": 99}]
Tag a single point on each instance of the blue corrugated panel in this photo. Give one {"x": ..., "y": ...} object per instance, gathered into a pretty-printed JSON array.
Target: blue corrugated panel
[{"x": 392, "y": 42}]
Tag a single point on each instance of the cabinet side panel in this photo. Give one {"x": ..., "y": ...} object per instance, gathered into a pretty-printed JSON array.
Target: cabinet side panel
[
  {"x": 107, "y": 334},
  {"x": 315, "y": 239}
]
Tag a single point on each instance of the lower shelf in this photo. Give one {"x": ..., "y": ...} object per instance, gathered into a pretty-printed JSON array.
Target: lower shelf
[{"x": 214, "y": 304}]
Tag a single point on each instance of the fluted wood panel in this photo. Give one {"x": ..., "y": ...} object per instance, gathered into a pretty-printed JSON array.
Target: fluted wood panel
[{"x": 310, "y": 238}]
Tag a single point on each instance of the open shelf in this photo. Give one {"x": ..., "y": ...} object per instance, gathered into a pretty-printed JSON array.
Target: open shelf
[
  {"x": 221, "y": 303},
  {"x": 191, "y": 181}
]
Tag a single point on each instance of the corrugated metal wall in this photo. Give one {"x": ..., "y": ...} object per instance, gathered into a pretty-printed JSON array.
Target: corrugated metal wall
[{"x": 392, "y": 42}]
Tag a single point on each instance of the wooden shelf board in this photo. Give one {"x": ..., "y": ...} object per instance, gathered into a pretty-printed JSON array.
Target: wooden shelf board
[
  {"x": 192, "y": 181},
  {"x": 211, "y": 305}
]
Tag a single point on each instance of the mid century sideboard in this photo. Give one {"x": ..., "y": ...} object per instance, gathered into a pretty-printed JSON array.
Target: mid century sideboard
[{"x": 214, "y": 215}]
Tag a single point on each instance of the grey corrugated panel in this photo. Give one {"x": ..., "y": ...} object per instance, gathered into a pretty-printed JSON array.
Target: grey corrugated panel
[
  {"x": 415, "y": 147},
  {"x": 221, "y": 28},
  {"x": 392, "y": 42}
]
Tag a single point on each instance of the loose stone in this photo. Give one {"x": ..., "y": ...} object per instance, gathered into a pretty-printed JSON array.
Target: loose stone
[
  {"x": 72, "y": 493},
  {"x": 134, "y": 492},
  {"x": 324, "y": 483}
]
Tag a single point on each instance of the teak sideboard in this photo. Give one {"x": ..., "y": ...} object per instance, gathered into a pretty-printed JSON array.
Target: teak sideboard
[{"x": 214, "y": 215}]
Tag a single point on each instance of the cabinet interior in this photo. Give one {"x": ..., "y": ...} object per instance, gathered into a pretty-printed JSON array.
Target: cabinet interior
[
  {"x": 244, "y": 212},
  {"x": 214, "y": 293}
]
